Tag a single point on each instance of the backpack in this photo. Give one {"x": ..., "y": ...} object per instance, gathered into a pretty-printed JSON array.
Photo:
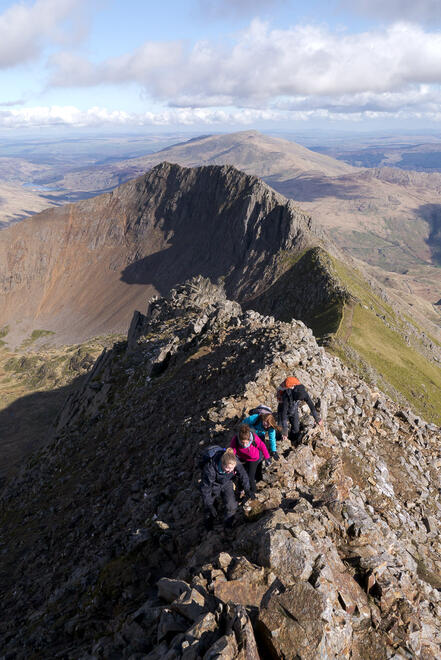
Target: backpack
[
  {"x": 207, "y": 454},
  {"x": 260, "y": 410}
]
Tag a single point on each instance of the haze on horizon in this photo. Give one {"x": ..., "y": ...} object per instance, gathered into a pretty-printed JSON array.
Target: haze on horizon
[{"x": 219, "y": 65}]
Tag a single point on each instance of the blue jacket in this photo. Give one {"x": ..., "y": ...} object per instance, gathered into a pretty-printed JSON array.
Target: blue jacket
[{"x": 255, "y": 424}]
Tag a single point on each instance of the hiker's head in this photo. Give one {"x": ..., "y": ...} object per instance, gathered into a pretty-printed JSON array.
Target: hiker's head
[
  {"x": 228, "y": 460},
  {"x": 268, "y": 421},
  {"x": 244, "y": 435},
  {"x": 291, "y": 382}
]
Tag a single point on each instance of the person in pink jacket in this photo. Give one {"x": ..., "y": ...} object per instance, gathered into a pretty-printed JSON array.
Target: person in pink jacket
[{"x": 251, "y": 451}]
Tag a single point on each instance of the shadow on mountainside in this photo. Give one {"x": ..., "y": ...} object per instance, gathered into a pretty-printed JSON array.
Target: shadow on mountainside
[
  {"x": 166, "y": 268},
  {"x": 212, "y": 228},
  {"x": 212, "y": 252},
  {"x": 26, "y": 425},
  {"x": 106, "y": 458},
  {"x": 313, "y": 188},
  {"x": 431, "y": 213}
]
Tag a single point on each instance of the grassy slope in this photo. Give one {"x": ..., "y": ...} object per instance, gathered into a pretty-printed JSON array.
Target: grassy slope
[
  {"x": 358, "y": 325},
  {"x": 33, "y": 387},
  {"x": 289, "y": 297},
  {"x": 370, "y": 327}
]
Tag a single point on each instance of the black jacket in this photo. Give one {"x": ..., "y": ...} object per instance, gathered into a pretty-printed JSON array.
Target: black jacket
[
  {"x": 289, "y": 405},
  {"x": 213, "y": 481}
]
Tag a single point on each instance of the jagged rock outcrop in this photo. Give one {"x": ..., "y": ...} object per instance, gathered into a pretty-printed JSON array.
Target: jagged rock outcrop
[
  {"x": 103, "y": 549},
  {"x": 81, "y": 269}
]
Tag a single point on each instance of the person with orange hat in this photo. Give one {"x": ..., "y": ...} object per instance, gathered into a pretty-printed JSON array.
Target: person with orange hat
[{"x": 289, "y": 393}]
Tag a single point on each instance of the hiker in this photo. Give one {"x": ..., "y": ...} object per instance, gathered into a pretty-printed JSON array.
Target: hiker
[
  {"x": 261, "y": 421},
  {"x": 219, "y": 467},
  {"x": 289, "y": 393},
  {"x": 251, "y": 451}
]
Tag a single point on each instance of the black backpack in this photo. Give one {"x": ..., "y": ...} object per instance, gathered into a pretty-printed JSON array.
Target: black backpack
[
  {"x": 261, "y": 409},
  {"x": 207, "y": 454}
]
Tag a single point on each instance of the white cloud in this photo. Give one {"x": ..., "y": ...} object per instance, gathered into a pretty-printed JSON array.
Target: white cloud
[
  {"x": 426, "y": 11},
  {"x": 43, "y": 116},
  {"x": 70, "y": 116},
  {"x": 305, "y": 66},
  {"x": 25, "y": 30},
  {"x": 149, "y": 62}
]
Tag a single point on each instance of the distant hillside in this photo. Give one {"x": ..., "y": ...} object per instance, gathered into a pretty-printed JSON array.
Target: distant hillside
[
  {"x": 18, "y": 203},
  {"x": 249, "y": 151},
  {"x": 386, "y": 217}
]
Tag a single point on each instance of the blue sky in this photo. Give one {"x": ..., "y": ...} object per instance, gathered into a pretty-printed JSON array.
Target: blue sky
[{"x": 219, "y": 64}]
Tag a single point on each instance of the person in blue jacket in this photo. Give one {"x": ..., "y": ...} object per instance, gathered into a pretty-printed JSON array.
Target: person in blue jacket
[{"x": 261, "y": 421}]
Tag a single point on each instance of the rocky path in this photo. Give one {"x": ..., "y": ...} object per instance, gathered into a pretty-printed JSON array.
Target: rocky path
[{"x": 104, "y": 552}]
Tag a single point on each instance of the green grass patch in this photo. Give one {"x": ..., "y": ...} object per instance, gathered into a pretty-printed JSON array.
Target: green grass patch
[
  {"x": 407, "y": 371},
  {"x": 4, "y": 331},
  {"x": 327, "y": 321},
  {"x": 434, "y": 340},
  {"x": 360, "y": 289},
  {"x": 371, "y": 339},
  {"x": 35, "y": 334},
  {"x": 358, "y": 325}
]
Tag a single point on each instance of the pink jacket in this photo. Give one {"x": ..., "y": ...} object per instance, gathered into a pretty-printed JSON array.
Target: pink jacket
[{"x": 250, "y": 453}]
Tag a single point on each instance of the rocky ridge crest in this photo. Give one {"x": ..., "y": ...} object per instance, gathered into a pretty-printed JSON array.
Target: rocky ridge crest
[
  {"x": 103, "y": 545},
  {"x": 82, "y": 268}
]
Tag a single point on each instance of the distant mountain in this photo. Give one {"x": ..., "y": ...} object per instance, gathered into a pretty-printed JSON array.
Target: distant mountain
[
  {"x": 18, "y": 203},
  {"x": 249, "y": 151},
  {"x": 81, "y": 269},
  {"x": 386, "y": 217}
]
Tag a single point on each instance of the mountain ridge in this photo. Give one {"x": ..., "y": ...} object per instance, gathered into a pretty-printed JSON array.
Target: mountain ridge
[
  {"x": 79, "y": 271},
  {"x": 143, "y": 238},
  {"x": 105, "y": 550}
]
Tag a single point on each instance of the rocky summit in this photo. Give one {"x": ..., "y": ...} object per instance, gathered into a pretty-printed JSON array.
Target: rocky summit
[
  {"x": 104, "y": 552},
  {"x": 81, "y": 269}
]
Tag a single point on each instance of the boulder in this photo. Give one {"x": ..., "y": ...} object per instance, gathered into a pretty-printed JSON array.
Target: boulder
[
  {"x": 191, "y": 605},
  {"x": 292, "y": 624},
  {"x": 224, "y": 649},
  {"x": 169, "y": 589},
  {"x": 240, "y": 592}
]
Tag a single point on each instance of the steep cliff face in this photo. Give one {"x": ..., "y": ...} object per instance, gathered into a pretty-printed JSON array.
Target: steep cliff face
[
  {"x": 80, "y": 270},
  {"x": 104, "y": 552}
]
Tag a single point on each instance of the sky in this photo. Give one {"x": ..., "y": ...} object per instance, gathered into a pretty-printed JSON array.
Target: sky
[{"x": 216, "y": 65}]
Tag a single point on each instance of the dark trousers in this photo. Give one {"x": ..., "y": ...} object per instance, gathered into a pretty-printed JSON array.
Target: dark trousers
[
  {"x": 226, "y": 491},
  {"x": 293, "y": 419},
  {"x": 252, "y": 467}
]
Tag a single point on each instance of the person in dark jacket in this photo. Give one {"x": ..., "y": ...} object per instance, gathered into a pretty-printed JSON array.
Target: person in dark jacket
[
  {"x": 217, "y": 479},
  {"x": 289, "y": 393},
  {"x": 251, "y": 451}
]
